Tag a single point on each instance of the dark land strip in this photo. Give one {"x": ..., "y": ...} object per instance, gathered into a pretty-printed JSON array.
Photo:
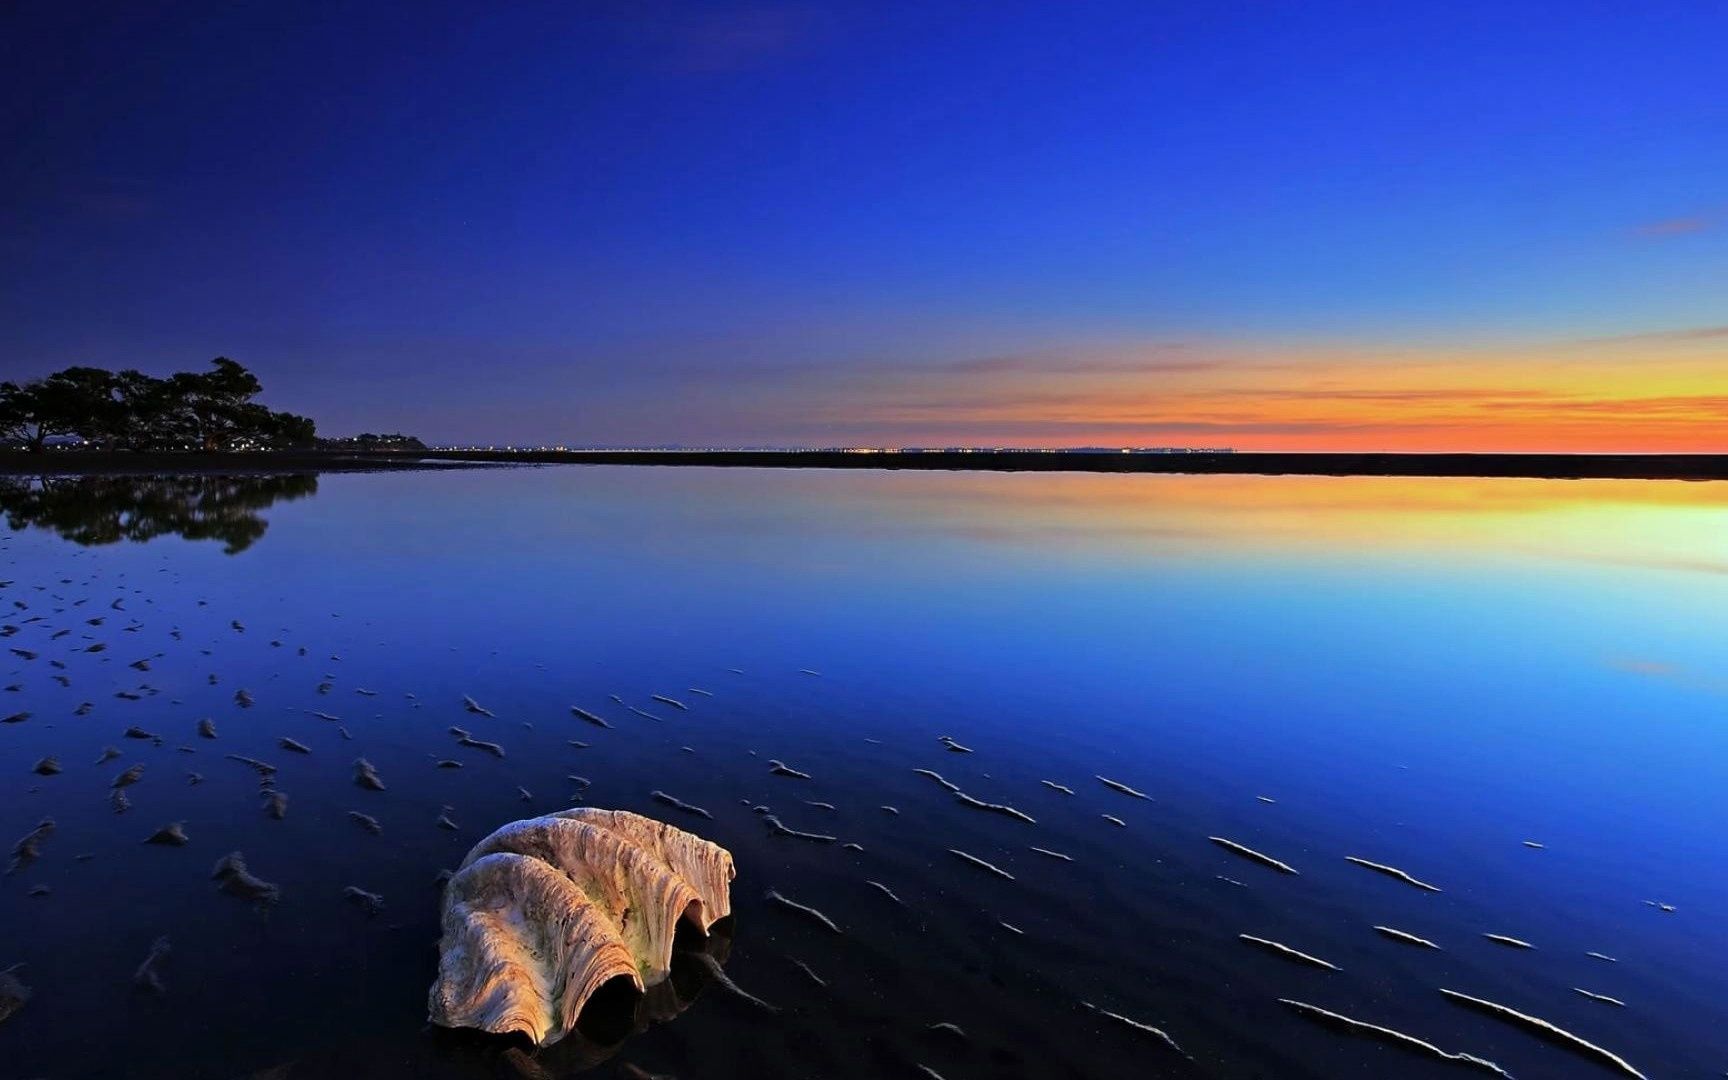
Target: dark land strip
[{"x": 1535, "y": 466}]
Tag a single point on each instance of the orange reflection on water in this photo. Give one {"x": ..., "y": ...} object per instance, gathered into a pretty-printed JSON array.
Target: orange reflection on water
[{"x": 1661, "y": 523}]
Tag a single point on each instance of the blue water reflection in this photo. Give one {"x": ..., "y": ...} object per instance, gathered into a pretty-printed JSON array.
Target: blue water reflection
[{"x": 1424, "y": 673}]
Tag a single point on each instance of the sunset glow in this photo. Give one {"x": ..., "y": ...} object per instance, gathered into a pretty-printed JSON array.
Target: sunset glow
[{"x": 1631, "y": 395}]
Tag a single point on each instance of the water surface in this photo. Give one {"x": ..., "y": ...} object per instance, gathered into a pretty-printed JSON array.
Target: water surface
[{"x": 1423, "y": 673}]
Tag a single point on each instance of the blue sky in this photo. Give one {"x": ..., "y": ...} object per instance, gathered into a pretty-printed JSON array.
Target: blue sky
[{"x": 657, "y": 222}]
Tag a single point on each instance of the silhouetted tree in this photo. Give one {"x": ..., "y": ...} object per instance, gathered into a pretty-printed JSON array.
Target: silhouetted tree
[
  {"x": 210, "y": 410},
  {"x": 216, "y": 404},
  {"x": 285, "y": 429},
  {"x": 61, "y": 404},
  {"x": 11, "y": 413},
  {"x": 149, "y": 419},
  {"x": 366, "y": 440}
]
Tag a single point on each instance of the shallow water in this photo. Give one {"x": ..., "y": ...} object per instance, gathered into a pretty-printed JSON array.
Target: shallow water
[{"x": 1422, "y": 673}]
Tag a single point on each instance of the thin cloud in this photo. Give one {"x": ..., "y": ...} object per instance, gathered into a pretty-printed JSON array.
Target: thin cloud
[
  {"x": 1145, "y": 430},
  {"x": 1443, "y": 395},
  {"x": 1688, "y": 566},
  {"x": 1653, "y": 668},
  {"x": 1709, "y": 405},
  {"x": 1674, "y": 673},
  {"x": 733, "y": 41},
  {"x": 1679, "y": 226},
  {"x": 1061, "y": 365},
  {"x": 1691, "y": 333}
]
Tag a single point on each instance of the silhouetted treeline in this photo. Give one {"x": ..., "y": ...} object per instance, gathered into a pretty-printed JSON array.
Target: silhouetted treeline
[
  {"x": 129, "y": 410},
  {"x": 369, "y": 441},
  {"x": 94, "y": 510}
]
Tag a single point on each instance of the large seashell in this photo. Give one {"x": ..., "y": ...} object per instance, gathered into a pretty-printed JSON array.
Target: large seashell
[{"x": 546, "y": 911}]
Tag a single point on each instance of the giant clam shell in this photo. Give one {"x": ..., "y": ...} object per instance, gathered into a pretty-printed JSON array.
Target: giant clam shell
[{"x": 546, "y": 911}]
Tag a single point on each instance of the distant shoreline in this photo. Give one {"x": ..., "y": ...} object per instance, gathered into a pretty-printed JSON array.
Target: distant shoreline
[{"x": 1531, "y": 466}]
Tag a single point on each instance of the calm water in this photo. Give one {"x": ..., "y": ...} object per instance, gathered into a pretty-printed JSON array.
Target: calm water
[{"x": 1423, "y": 673}]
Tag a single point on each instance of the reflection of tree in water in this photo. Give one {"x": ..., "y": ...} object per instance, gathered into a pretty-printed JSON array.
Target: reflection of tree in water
[{"x": 90, "y": 510}]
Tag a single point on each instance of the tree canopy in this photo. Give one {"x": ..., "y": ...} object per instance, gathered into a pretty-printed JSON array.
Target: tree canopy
[{"x": 129, "y": 410}]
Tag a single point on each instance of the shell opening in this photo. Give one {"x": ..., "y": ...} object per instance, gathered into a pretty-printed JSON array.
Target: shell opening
[{"x": 610, "y": 1012}]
